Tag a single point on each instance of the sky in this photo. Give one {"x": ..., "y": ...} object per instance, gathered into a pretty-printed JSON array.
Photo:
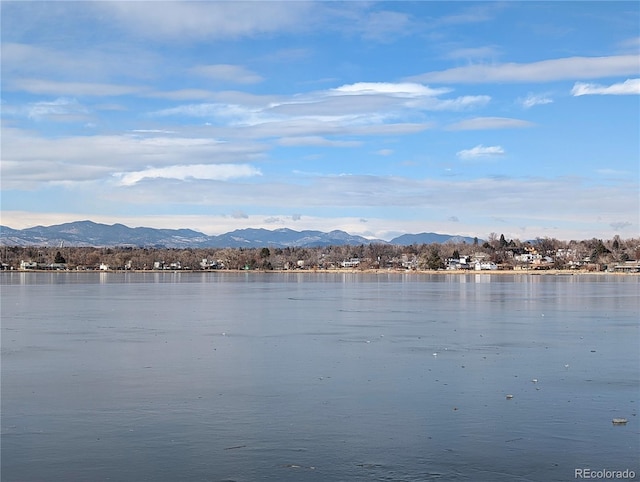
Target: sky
[{"x": 376, "y": 118}]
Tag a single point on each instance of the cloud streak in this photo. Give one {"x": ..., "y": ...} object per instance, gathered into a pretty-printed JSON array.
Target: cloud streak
[
  {"x": 318, "y": 113},
  {"x": 227, "y": 73},
  {"x": 628, "y": 87},
  {"x": 215, "y": 172},
  {"x": 482, "y": 123},
  {"x": 480, "y": 151},
  {"x": 38, "y": 86},
  {"x": 29, "y": 159},
  {"x": 208, "y": 20},
  {"x": 535, "y": 99},
  {"x": 569, "y": 68}
]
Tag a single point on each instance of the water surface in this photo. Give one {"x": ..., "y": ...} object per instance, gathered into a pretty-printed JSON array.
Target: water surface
[{"x": 293, "y": 376}]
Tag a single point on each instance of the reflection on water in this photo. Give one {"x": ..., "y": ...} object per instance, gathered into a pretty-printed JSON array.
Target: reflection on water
[{"x": 293, "y": 376}]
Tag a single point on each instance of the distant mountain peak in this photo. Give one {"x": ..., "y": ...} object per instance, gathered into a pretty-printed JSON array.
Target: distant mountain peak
[{"x": 89, "y": 233}]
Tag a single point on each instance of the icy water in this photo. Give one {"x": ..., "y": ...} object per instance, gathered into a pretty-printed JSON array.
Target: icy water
[{"x": 317, "y": 377}]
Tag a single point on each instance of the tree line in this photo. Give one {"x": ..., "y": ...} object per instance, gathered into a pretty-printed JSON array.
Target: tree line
[{"x": 496, "y": 249}]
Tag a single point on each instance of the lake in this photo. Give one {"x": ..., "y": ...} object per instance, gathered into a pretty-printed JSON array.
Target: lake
[{"x": 318, "y": 376}]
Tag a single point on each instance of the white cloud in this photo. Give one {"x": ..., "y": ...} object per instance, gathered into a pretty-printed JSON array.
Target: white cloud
[
  {"x": 315, "y": 141},
  {"x": 480, "y": 151},
  {"x": 384, "y": 152},
  {"x": 213, "y": 172},
  {"x": 37, "y": 86},
  {"x": 481, "y": 123},
  {"x": 29, "y": 160},
  {"x": 89, "y": 63},
  {"x": 333, "y": 111},
  {"x": 348, "y": 199},
  {"x": 542, "y": 71},
  {"x": 459, "y": 103},
  {"x": 227, "y": 73},
  {"x": 152, "y": 131},
  {"x": 208, "y": 20},
  {"x": 61, "y": 109},
  {"x": 535, "y": 99},
  {"x": 403, "y": 89},
  {"x": 628, "y": 87},
  {"x": 182, "y": 94}
]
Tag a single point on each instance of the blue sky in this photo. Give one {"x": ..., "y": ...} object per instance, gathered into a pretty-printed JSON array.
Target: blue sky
[{"x": 378, "y": 118}]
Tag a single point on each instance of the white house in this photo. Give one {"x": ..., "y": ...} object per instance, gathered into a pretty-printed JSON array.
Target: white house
[
  {"x": 458, "y": 263},
  {"x": 352, "y": 263},
  {"x": 485, "y": 265},
  {"x": 28, "y": 265}
]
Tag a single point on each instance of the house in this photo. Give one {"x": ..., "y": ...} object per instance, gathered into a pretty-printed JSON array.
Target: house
[
  {"x": 28, "y": 265},
  {"x": 104, "y": 267},
  {"x": 458, "y": 263},
  {"x": 206, "y": 264},
  {"x": 351, "y": 263},
  {"x": 485, "y": 266},
  {"x": 627, "y": 267},
  {"x": 409, "y": 262},
  {"x": 526, "y": 257}
]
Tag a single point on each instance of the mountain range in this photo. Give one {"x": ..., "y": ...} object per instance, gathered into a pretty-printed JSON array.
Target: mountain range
[{"x": 89, "y": 233}]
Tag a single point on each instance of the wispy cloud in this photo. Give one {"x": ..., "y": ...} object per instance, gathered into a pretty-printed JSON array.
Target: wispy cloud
[
  {"x": 59, "y": 110},
  {"x": 480, "y": 151},
  {"x": 628, "y": 87},
  {"x": 310, "y": 115},
  {"x": 182, "y": 94},
  {"x": 631, "y": 44},
  {"x": 481, "y": 123},
  {"x": 208, "y": 20},
  {"x": 37, "y": 86},
  {"x": 315, "y": 141},
  {"x": 543, "y": 71},
  {"x": 214, "y": 172},
  {"x": 28, "y": 159},
  {"x": 470, "y": 14},
  {"x": 403, "y": 89},
  {"x": 227, "y": 73},
  {"x": 473, "y": 53},
  {"x": 384, "y": 25},
  {"x": 535, "y": 99}
]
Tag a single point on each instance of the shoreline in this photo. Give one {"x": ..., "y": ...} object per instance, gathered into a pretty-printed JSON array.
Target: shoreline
[{"x": 519, "y": 272}]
